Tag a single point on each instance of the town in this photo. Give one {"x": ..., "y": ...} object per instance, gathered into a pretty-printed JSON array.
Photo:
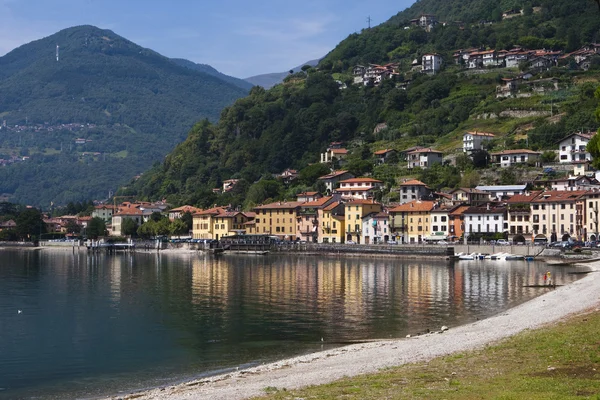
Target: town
[{"x": 541, "y": 211}]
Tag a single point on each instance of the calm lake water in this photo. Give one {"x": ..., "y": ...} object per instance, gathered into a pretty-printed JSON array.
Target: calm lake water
[{"x": 92, "y": 325}]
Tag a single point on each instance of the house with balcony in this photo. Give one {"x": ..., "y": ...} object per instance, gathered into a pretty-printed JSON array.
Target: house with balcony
[
  {"x": 573, "y": 148},
  {"x": 375, "y": 229},
  {"x": 414, "y": 189},
  {"x": 439, "y": 223},
  {"x": 431, "y": 63},
  {"x": 309, "y": 219},
  {"x": 231, "y": 223},
  {"x": 508, "y": 88},
  {"x": 510, "y": 158},
  {"x": 470, "y": 196},
  {"x": 424, "y": 158},
  {"x": 359, "y": 188},
  {"x": 476, "y": 141},
  {"x": 354, "y": 212},
  {"x": 332, "y": 180},
  {"x": 333, "y": 223},
  {"x": 570, "y": 183},
  {"x": 409, "y": 222}
]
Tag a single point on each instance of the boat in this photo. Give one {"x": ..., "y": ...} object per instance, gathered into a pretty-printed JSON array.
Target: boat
[{"x": 467, "y": 256}]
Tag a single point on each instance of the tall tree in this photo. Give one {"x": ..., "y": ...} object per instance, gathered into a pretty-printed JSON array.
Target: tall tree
[{"x": 30, "y": 224}]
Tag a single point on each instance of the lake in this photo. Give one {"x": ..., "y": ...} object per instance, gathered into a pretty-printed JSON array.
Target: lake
[{"x": 79, "y": 325}]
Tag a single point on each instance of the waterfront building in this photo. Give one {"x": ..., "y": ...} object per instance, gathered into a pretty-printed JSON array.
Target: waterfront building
[
  {"x": 375, "y": 228},
  {"x": 230, "y": 223},
  {"x": 333, "y": 223},
  {"x": 203, "y": 226},
  {"x": 355, "y": 210},
  {"x": 520, "y": 226},
  {"x": 559, "y": 215},
  {"x": 457, "y": 221},
  {"x": 278, "y": 219},
  {"x": 178, "y": 212},
  {"x": 485, "y": 221},
  {"x": 308, "y": 219},
  {"x": 410, "y": 221}
]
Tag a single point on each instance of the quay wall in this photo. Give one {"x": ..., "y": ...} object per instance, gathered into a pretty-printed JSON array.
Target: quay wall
[{"x": 17, "y": 244}]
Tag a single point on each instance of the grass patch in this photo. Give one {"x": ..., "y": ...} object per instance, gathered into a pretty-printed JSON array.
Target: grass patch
[{"x": 558, "y": 362}]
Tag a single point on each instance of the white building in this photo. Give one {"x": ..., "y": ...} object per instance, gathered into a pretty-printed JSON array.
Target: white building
[
  {"x": 439, "y": 223},
  {"x": 475, "y": 140},
  {"x": 375, "y": 228},
  {"x": 509, "y": 158},
  {"x": 432, "y": 63},
  {"x": 424, "y": 158},
  {"x": 503, "y": 191},
  {"x": 486, "y": 220},
  {"x": 574, "y": 148},
  {"x": 359, "y": 188}
]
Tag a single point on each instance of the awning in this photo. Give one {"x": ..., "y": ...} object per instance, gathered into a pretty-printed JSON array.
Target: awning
[{"x": 435, "y": 237}]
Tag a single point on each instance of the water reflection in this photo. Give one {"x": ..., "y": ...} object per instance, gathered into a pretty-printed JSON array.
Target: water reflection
[{"x": 94, "y": 324}]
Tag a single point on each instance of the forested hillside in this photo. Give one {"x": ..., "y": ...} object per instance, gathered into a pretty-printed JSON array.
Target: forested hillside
[
  {"x": 138, "y": 103},
  {"x": 289, "y": 125}
]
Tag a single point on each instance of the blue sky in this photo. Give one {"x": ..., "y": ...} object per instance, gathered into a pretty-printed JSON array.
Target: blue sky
[{"x": 238, "y": 37}]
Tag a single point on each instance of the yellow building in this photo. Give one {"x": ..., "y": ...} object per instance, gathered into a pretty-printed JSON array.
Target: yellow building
[
  {"x": 354, "y": 211},
  {"x": 278, "y": 219},
  {"x": 333, "y": 224},
  {"x": 230, "y": 223},
  {"x": 410, "y": 221},
  {"x": 203, "y": 225}
]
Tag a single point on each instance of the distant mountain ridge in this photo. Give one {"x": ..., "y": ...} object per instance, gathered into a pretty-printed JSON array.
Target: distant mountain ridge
[
  {"x": 212, "y": 71},
  {"x": 269, "y": 80},
  {"x": 141, "y": 100}
]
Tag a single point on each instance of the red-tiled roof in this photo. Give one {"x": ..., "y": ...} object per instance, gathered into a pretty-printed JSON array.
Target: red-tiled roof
[
  {"x": 360, "y": 201},
  {"x": 413, "y": 182},
  {"x": 425, "y": 150},
  {"x": 332, "y": 206},
  {"x": 482, "y": 133},
  {"x": 556, "y": 196},
  {"x": 280, "y": 205},
  {"x": 318, "y": 203},
  {"x": 414, "y": 206},
  {"x": 383, "y": 152},
  {"x": 517, "y": 151},
  {"x": 361, "y": 180},
  {"x": 334, "y": 174}
]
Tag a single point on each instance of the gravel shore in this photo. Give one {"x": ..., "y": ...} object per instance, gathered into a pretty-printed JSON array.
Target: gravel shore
[{"x": 327, "y": 366}]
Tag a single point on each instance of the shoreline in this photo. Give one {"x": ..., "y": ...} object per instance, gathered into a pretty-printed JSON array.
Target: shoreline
[{"x": 326, "y": 366}]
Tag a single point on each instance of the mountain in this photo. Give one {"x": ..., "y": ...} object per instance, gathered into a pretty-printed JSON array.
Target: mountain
[
  {"x": 129, "y": 104},
  {"x": 269, "y": 80},
  {"x": 207, "y": 69},
  {"x": 289, "y": 125}
]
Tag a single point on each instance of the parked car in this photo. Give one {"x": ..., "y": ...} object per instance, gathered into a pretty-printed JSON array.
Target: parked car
[
  {"x": 443, "y": 243},
  {"x": 392, "y": 242},
  {"x": 502, "y": 242},
  {"x": 350, "y": 242}
]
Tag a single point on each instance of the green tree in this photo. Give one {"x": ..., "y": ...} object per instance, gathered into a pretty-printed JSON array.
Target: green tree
[
  {"x": 96, "y": 228},
  {"x": 30, "y": 224},
  {"x": 310, "y": 175},
  {"x": 129, "y": 227},
  {"x": 178, "y": 227}
]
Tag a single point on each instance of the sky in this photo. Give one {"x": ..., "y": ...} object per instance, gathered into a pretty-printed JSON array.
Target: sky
[{"x": 238, "y": 37}]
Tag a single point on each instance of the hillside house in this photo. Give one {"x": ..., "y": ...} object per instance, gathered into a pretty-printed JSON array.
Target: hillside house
[
  {"x": 331, "y": 180},
  {"x": 308, "y": 196},
  {"x": 332, "y": 155},
  {"x": 288, "y": 176},
  {"x": 470, "y": 196},
  {"x": 424, "y": 158},
  {"x": 515, "y": 12},
  {"x": 476, "y": 140},
  {"x": 509, "y": 158},
  {"x": 178, "y": 212},
  {"x": 508, "y": 88},
  {"x": 431, "y": 63},
  {"x": 502, "y": 192},
  {"x": 514, "y": 58},
  {"x": 439, "y": 223},
  {"x": 574, "y": 148},
  {"x": 425, "y": 21},
  {"x": 104, "y": 211},
  {"x": 359, "y": 188},
  {"x": 414, "y": 189},
  {"x": 382, "y": 156}
]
